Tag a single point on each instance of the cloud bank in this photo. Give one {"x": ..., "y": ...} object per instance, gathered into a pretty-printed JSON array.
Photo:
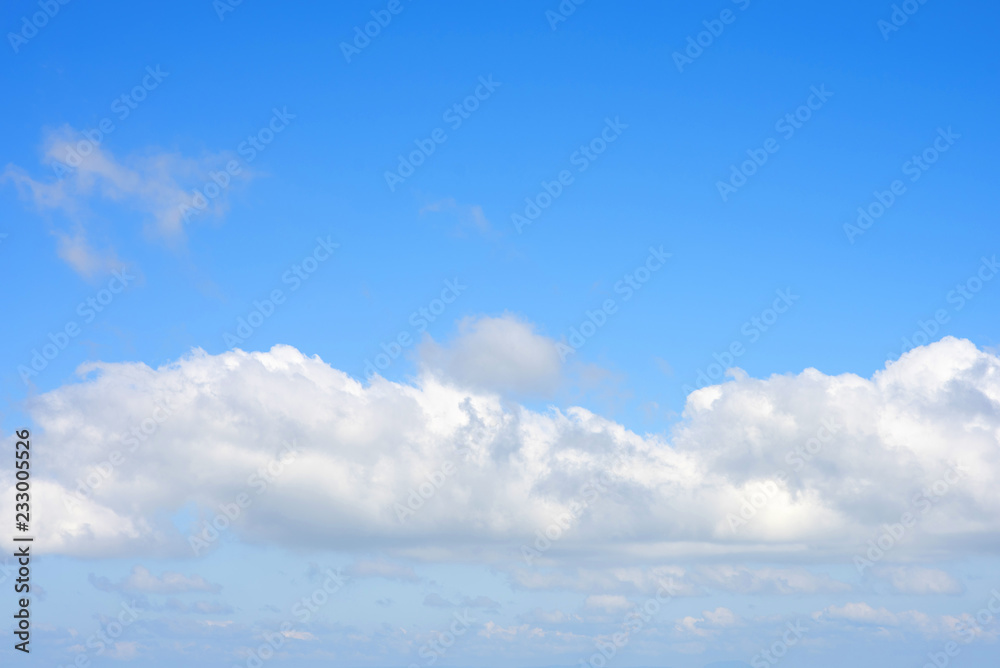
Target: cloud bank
[{"x": 438, "y": 470}]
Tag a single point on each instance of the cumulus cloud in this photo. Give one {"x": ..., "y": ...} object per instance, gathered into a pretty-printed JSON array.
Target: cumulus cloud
[
  {"x": 363, "y": 450},
  {"x": 497, "y": 354},
  {"x": 711, "y": 623},
  {"x": 862, "y": 613},
  {"x": 158, "y": 185},
  {"x": 141, "y": 580}
]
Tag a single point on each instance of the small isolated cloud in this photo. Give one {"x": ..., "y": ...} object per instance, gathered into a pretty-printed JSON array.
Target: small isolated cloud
[
  {"x": 711, "y": 623},
  {"x": 298, "y": 635},
  {"x": 470, "y": 216},
  {"x": 502, "y": 354},
  {"x": 380, "y": 568},
  {"x": 122, "y": 651},
  {"x": 511, "y": 633},
  {"x": 143, "y": 581},
  {"x": 916, "y": 580},
  {"x": 861, "y": 613},
  {"x": 664, "y": 366},
  {"x": 76, "y": 250},
  {"x": 158, "y": 185}
]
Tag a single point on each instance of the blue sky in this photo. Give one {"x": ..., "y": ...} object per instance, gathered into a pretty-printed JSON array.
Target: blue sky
[{"x": 597, "y": 106}]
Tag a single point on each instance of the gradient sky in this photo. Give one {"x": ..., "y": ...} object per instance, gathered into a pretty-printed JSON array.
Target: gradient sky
[{"x": 357, "y": 256}]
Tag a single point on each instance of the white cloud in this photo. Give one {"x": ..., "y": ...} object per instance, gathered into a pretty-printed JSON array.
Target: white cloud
[
  {"x": 76, "y": 250},
  {"x": 510, "y": 633},
  {"x": 711, "y": 623},
  {"x": 862, "y": 613},
  {"x": 917, "y": 580},
  {"x": 157, "y": 185},
  {"x": 362, "y": 449},
  {"x": 497, "y": 354},
  {"x": 123, "y": 651}
]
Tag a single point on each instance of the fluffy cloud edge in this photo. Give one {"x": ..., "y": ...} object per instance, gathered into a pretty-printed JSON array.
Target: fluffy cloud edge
[{"x": 279, "y": 446}]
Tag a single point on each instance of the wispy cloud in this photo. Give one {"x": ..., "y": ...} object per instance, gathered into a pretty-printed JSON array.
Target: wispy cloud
[
  {"x": 141, "y": 580},
  {"x": 157, "y": 185},
  {"x": 471, "y": 217}
]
